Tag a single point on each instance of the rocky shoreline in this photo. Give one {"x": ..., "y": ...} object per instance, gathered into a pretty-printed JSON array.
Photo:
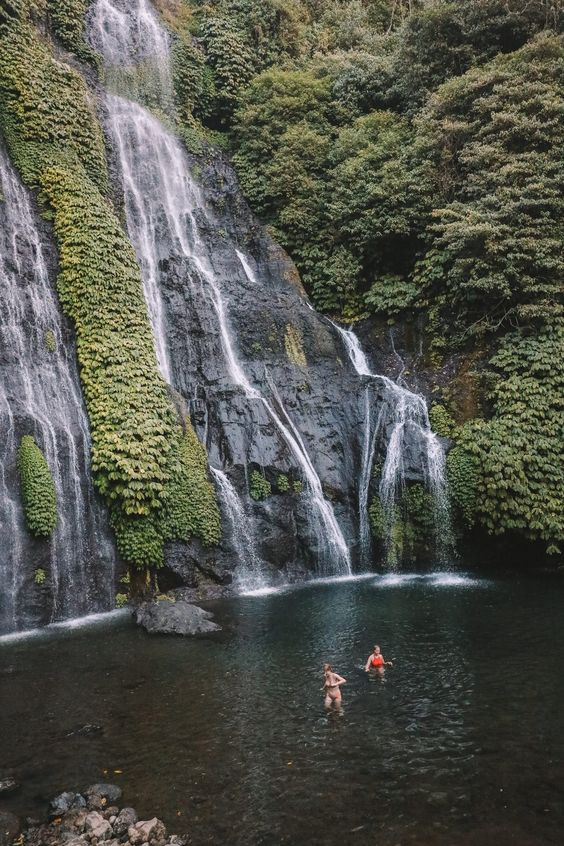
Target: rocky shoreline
[{"x": 95, "y": 816}]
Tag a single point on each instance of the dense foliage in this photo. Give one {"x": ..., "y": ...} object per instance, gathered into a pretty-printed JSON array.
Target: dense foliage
[
  {"x": 408, "y": 155},
  {"x": 153, "y": 476},
  {"x": 38, "y": 493}
]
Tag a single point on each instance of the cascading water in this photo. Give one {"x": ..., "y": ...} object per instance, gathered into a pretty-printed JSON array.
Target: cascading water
[
  {"x": 40, "y": 396},
  {"x": 409, "y": 414},
  {"x": 161, "y": 198},
  {"x": 249, "y": 575}
]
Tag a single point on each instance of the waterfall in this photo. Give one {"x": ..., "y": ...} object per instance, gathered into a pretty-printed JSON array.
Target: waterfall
[
  {"x": 249, "y": 574},
  {"x": 408, "y": 412},
  {"x": 161, "y": 196},
  {"x": 40, "y": 396}
]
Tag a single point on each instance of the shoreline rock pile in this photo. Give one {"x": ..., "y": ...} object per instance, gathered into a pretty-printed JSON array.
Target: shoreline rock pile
[{"x": 94, "y": 818}]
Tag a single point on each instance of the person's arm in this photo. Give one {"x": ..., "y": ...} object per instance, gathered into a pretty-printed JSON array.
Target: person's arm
[
  {"x": 339, "y": 679},
  {"x": 367, "y": 667},
  {"x": 387, "y": 663}
]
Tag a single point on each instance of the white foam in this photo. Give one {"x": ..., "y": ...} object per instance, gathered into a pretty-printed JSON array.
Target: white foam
[
  {"x": 397, "y": 579},
  {"x": 435, "y": 579},
  {"x": 455, "y": 580},
  {"x": 74, "y": 623},
  {"x": 325, "y": 580}
]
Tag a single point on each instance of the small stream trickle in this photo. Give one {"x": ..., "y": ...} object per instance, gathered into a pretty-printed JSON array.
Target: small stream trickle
[{"x": 409, "y": 415}]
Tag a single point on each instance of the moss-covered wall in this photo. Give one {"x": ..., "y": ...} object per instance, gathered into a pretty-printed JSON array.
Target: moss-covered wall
[{"x": 147, "y": 463}]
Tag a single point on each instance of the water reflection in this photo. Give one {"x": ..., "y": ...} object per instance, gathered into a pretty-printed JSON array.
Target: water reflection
[{"x": 230, "y": 733}]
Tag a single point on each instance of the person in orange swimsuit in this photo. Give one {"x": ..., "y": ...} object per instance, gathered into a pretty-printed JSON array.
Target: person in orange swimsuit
[
  {"x": 377, "y": 662},
  {"x": 332, "y": 687}
]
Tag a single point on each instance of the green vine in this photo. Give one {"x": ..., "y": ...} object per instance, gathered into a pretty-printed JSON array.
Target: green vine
[{"x": 38, "y": 493}]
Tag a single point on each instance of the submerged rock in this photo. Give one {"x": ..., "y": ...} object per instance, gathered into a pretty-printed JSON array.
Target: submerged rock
[
  {"x": 8, "y": 785},
  {"x": 180, "y": 617},
  {"x": 100, "y": 795},
  {"x": 65, "y": 802},
  {"x": 9, "y": 828}
]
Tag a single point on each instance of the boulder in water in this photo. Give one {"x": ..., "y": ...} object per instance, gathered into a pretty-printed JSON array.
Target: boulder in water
[{"x": 165, "y": 617}]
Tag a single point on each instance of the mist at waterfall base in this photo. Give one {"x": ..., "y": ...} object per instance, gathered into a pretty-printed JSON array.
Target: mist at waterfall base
[{"x": 462, "y": 743}]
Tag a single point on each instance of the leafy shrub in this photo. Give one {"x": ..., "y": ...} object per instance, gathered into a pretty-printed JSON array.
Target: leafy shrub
[
  {"x": 441, "y": 421},
  {"x": 39, "y": 577},
  {"x": 259, "y": 487},
  {"x": 282, "y": 483},
  {"x": 37, "y": 488},
  {"x": 50, "y": 341}
]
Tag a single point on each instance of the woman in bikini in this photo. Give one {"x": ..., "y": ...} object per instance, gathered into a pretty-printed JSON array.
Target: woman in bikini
[
  {"x": 377, "y": 662},
  {"x": 332, "y": 687}
]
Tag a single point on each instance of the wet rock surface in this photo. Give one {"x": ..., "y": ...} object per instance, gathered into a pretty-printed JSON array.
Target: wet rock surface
[
  {"x": 174, "y": 617},
  {"x": 78, "y": 826}
]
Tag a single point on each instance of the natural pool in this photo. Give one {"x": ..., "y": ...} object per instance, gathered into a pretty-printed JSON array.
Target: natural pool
[{"x": 226, "y": 737}]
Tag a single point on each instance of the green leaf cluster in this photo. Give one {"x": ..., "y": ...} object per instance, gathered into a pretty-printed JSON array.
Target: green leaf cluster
[
  {"x": 37, "y": 489},
  {"x": 39, "y": 577},
  {"x": 259, "y": 486},
  {"x": 67, "y": 23},
  {"x": 508, "y": 472},
  {"x": 282, "y": 483}
]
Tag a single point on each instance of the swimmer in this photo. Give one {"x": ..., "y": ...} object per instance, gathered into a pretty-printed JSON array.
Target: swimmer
[
  {"x": 332, "y": 687},
  {"x": 376, "y": 661}
]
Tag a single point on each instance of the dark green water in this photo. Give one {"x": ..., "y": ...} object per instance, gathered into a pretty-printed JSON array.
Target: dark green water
[{"x": 462, "y": 743}]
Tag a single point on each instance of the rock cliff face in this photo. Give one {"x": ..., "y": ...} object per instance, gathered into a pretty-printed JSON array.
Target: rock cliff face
[
  {"x": 291, "y": 425},
  {"x": 71, "y": 572}
]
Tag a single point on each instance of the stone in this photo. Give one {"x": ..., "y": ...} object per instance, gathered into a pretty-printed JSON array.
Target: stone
[
  {"x": 97, "y": 826},
  {"x": 110, "y": 792},
  {"x": 9, "y": 828},
  {"x": 8, "y": 785},
  {"x": 75, "y": 819},
  {"x": 65, "y": 802},
  {"x": 164, "y": 617},
  {"x": 127, "y": 817},
  {"x": 146, "y": 832},
  {"x": 74, "y": 840}
]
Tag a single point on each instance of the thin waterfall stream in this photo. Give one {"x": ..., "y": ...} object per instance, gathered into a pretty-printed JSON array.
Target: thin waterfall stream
[
  {"x": 40, "y": 396},
  {"x": 161, "y": 195},
  {"x": 409, "y": 411}
]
